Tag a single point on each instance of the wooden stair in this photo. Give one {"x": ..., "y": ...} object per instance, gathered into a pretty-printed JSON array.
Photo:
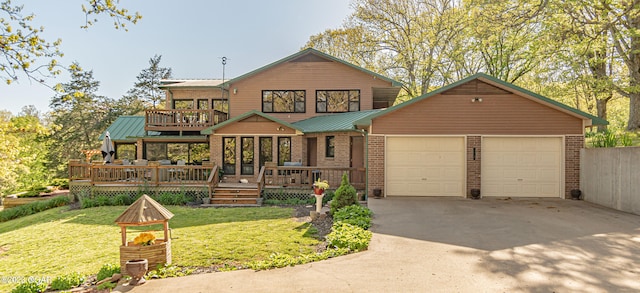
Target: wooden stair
[{"x": 236, "y": 196}]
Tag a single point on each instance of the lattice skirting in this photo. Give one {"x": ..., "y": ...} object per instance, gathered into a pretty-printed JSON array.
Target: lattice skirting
[
  {"x": 84, "y": 189},
  {"x": 288, "y": 193}
]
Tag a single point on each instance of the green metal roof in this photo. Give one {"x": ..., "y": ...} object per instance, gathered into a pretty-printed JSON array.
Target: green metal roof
[
  {"x": 315, "y": 52},
  {"x": 127, "y": 128},
  {"x": 211, "y": 129},
  {"x": 333, "y": 122},
  {"x": 594, "y": 120}
]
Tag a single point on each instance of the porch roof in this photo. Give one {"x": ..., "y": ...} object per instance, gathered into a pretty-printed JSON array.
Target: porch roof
[
  {"x": 127, "y": 128},
  {"x": 333, "y": 122}
]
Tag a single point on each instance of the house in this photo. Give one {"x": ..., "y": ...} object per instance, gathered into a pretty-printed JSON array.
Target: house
[{"x": 312, "y": 115}]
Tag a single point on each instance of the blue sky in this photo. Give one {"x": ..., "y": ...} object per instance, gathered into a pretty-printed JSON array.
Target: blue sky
[{"x": 190, "y": 35}]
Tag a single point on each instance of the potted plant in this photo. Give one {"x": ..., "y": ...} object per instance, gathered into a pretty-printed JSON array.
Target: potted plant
[{"x": 319, "y": 186}]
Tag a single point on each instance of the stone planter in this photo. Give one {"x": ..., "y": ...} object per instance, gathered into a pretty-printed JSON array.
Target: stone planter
[{"x": 137, "y": 269}]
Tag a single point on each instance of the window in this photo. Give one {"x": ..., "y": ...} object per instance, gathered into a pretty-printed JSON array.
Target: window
[
  {"x": 190, "y": 152},
  {"x": 247, "y": 156},
  {"x": 330, "y": 146},
  {"x": 266, "y": 150},
  {"x": 126, "y": 151},
  {"x": 283, "y": 101},
  {"x": 284, "y": 150},
  {"x": 183, "y": 104},
  {"x": 156, "y": 151},
  {"x": 229, "y": 153},
  {"x": 220, "y": 110},
  {"x": 336, "y": 101}
]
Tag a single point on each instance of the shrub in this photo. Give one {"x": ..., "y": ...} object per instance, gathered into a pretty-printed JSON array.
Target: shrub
[
  {"x": 104, "y": 200},
  {"x": 356, "y": 215},
  {"x": 61, "y": 183},
  {"x": 32, "y": 208},
  {"x": 34, "y": 191},
  {"x": 30, "y": 287},
  {"x": 168, "y": 271},
  {"x": 87, "y": 202},
  {"x": 107, "y": 285},
  {"x": 348, "y": 236},
  {"x": 67, "y": 282},
  {"x": 344, "y": 196},
  {"x": 107, "y": 270},
  {"x": 167, "y": 198},
  {"x": 122, "y": 200}
]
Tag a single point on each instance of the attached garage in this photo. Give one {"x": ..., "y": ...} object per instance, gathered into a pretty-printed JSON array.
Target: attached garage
[
  {"x": 425, "y": 166},
  {"x": 522, "y": 166}
]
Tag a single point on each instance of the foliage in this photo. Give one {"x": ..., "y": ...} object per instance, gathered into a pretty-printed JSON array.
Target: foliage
[
  {"x": 67, "y": 282},
  {"x": 30, "y": 287},
  {"x": 167, "y": 198},
  {"x": 23, "y": 151},
  {"x": 168, "y": 271},
  {"x": 34, "y": 191},
  {"x": 61, "y": 183},
  {"x": 122, "y": 200},
  {"x": 145, "y": 93},
  {"x": 107, "y": 270},
  {"x": 321, "y": 184},
  {"x": 23, "y": 48},
  {"x": 107, "y": 286},
  {"x": 344, "y": 196},
  {"x": 32, "y": 208},
  {"x": 356, "y": 215},
  {"x": 344, "y": 235},
  {"x": 74, "y": 129},
  {"x": 281, "y": 260},
  {"x": 608, "y": 139}
]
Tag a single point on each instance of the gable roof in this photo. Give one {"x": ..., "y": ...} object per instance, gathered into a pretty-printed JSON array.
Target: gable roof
[
  {"x": 126, "y": 128},
  {"x": 144, "y": 211},
  {"x": 210, "y": 130},
  {"x": 317, "y": 53},
  {"x": 366, "y": 121},
  {"x": 333, "y": 122}
]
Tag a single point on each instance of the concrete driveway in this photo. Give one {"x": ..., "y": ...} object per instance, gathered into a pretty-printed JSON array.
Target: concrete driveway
[{"x": 462, "y": 245}]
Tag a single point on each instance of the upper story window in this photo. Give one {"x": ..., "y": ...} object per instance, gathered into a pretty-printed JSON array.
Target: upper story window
[
  {"x": 183, "y": 104},
  {"x": 285, "y": 101},
  {"x": 336, "y": 101}
]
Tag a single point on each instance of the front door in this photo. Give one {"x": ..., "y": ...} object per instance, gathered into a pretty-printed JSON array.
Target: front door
[
  {"x": 356, "y": 158},
  {"x": 312, "y": 151}
]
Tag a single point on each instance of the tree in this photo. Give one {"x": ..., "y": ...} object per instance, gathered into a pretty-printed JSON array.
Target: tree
[
  {"x": 79, "y": 116},
  {"x": 146, "y": 90},
  {"x": 23, "y": 152},
  {"x": 23, "y": 50}
]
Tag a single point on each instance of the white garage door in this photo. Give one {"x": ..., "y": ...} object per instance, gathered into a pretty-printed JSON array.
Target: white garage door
[
  {"x": 425, "y": 166},
  {"x": 521, "y": 166}
]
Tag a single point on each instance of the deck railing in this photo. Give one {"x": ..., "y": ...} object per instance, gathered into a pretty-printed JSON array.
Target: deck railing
[
  {"x": 137, "y": 175},
  {"x": 182, "y": 120},
  {"x": 303, "y": 177}
]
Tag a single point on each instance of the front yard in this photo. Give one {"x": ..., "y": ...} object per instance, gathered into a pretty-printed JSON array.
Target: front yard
[{"x": 60, "y": 241}]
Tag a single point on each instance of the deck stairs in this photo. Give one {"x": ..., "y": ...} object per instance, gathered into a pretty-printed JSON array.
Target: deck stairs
[{"x": 232, "y": 195}]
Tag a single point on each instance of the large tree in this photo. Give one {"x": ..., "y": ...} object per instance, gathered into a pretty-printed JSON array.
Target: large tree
[
  {"x": 23, "y": 50},
  {"x": 79, "y": 116},
  {"x": 145, "y": 92}
]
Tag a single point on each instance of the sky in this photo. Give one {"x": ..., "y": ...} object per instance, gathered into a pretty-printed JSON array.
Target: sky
[{"x": 191, "y": 36}]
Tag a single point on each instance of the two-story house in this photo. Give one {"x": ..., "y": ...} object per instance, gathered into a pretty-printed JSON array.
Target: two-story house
[{"x": 312, "y": 115}]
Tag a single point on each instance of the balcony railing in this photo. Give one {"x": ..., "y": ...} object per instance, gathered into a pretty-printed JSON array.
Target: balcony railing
[
  {"x": 303, "y": 177},
  {"x": 99, "y": 174},
  {"x": 182, "y": 120}
]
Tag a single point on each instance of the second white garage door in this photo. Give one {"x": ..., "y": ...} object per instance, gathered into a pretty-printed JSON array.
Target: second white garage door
[
  {"x": 521, "y": 166},
  {"x": 425, "y": 166}
]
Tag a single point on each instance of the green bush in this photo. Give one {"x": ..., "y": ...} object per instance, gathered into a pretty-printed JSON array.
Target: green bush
[
  {"x": 30, "y": 287},
  {"x": 167, "y": 198},
  {"x": 87, "y": 202},
  {"x": 104, "y": 200},
  {"x": 32, "y": 208},
  {"x": 107, "y": 270},
  {"x": 67, "y": 282},
  {"x": 344, "y": 196},
  {"x": 34, "y": 191},
  {"x": 348, "y": 236},
  {"x": 122, "y": 200},
  {"x": 61, "y": 183},
  {"x": 356, "y": 215}
]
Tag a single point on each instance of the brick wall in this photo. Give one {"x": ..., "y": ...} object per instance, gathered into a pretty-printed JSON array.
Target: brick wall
[
  {"x": 473, "y": 164},
  {"x": 572, "y": 146},
  {"x": 376, "y": 163}
]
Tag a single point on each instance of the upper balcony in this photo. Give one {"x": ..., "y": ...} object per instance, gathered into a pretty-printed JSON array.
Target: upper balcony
[{"x": 181, "y": 120}]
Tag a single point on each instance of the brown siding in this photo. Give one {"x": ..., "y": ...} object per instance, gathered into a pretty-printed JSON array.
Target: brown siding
[
  {"x": 496, "y": 114},
  {"x": 475, "y": 87},
  {"x": 308, "y": 76},
  {"x": 251, "y": 126},
  {"x": 192, "y": 94},
  {"x": 572, "y": 146}
]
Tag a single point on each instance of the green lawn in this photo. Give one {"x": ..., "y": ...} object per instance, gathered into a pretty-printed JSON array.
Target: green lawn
[{"x": 59, "y": 241}]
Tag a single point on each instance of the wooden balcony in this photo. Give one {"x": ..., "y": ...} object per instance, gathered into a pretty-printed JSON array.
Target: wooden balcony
[
  {"x": 99, "y": 174},
  {"x": 182, "y": 120},
  {"x": 304, "y": 176}
]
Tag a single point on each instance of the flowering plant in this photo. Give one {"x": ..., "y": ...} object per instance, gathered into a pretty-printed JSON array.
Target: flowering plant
[
  {"x": 321, "y": 184},
  {"x": 144, "y": 239}
]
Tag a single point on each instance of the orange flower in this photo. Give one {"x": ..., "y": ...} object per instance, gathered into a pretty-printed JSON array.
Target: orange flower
[{"x": 144, "y": 239}]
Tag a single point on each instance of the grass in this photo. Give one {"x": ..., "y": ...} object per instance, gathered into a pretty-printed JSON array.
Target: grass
[{"x": 58, "y": 241}]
